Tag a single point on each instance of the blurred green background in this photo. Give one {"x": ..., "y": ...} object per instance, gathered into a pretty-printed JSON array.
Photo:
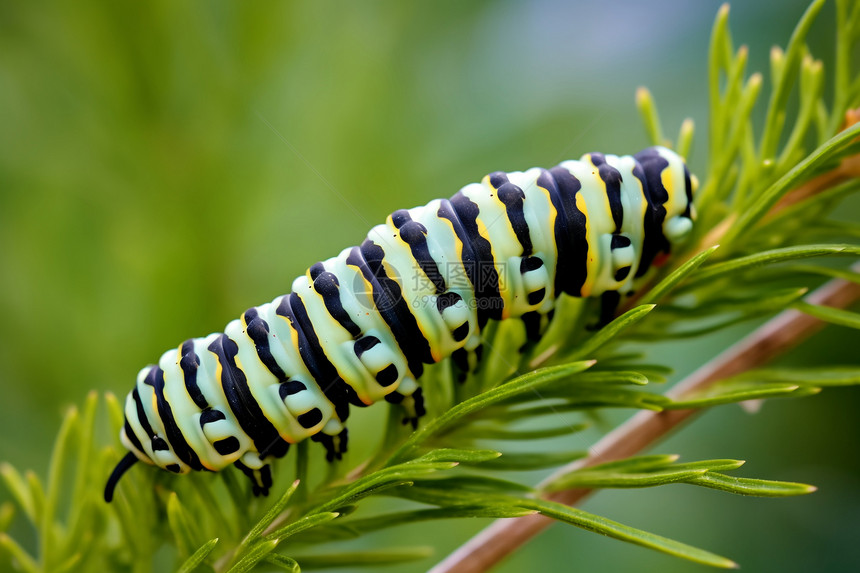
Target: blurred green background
[{"x": 165, "y": 166}]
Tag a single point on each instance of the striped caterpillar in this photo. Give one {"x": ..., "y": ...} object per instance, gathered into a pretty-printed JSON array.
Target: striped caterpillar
[{"x": 359, "y": 327}]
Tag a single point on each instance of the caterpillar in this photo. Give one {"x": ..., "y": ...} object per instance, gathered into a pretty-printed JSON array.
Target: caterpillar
[{"x": 358, "y": 328}]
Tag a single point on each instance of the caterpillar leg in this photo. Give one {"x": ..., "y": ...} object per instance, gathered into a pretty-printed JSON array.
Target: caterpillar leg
[
  {"x": 468, "y": 358},
  {"x": 257, "y": 471},
  {"x": 411, "y": 399},
  {"x": 536, "y": 324},
  {"x": 608, "y": 305},
  {"x": 466, "y": 361},
  {"x": 334, "y": 438}
]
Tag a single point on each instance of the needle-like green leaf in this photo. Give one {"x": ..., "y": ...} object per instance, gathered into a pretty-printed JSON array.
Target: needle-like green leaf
[
  {"x": 756, "y": 487},
  {"x": 364, "y": 558},
  {"x": 284, "y": 562},
  {"x": 198, "y": 556},
  {"x": 667, "y": 284},
  {"x": 616, "y": 530},
  {"x": 831, "y": 315}
]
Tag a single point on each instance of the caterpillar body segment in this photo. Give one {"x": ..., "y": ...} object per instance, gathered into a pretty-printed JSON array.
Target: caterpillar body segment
[{"x": 359, "y": 328}]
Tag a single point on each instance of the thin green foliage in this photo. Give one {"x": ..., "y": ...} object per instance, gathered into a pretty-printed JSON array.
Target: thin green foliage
[
  {"x": 648, "y": 110},
  {"x": 198, "y": 556},
  {"x": 670, "y": 282},
  {"x": 365, "y": 558},
  {"x": 656, "y": 471},
  {"x": 283, "y": 562},
  {"x": 815, "y": 377},
  {"x": 548, "y": 390},
  {"x": 616, "y": 530},
  {"x": 831, "y": 315}
]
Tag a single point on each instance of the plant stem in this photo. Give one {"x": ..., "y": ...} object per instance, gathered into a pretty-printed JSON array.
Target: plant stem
[{"x": 772, "y": 339}]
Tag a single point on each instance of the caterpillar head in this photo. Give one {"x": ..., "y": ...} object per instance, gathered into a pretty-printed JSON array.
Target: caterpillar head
[
  {"x": 680, "y": 186},
  {"x": 672, "y": 187}
]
